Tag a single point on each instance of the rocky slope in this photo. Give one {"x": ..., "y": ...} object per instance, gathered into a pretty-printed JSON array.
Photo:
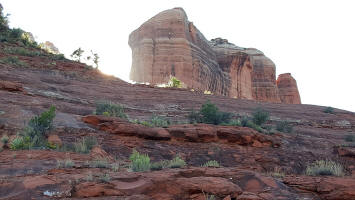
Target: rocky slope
[
  {"x": 251, "y": 161},
  {"x": 170, "y": 45}
]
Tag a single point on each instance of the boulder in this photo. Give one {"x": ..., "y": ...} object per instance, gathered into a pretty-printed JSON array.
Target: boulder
[
  {"x": 55, "y": 140},
  {"x": 11, "y": 86}
]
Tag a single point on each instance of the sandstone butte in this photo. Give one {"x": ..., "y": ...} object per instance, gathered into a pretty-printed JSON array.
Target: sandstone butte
[{"x": 169, "y": 45}]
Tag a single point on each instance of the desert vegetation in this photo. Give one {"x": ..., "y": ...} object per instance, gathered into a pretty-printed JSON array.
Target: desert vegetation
[
  {"x": 211, "y": 163},
  {"x": 34, "y": 134},
  {"x": 324, "y": 168},
  {"x": 85, "y": 144},
  {"x": 141, "y": 162},
  {"x": 350, "y": 137},
  {"x": 174, "y": 82},
  {"x": 284, "y": 126},
  {"x": 155, "y": 121},
  {"x": 329, "y": 110},
  {"x": 209, "y": 113},
  {"x": 66, "y": 163},
  {"x": 110, "y": 109}
]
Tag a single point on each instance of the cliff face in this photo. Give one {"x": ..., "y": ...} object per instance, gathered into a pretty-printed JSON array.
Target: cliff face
[{"x": 169, "y": 45}]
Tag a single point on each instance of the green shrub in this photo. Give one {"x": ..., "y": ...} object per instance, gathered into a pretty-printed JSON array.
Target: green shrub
[
  {"x": 329, "y": 110},
  {"x": 260, "y": 116},
  {"x": 211, "y": 163},
  {"x": 110, "y": 109},
  {"x": 158, "y": 121},
  {"x": 284, "y": 126},
  {"x": 38, "y": 127},
  {"x": 233, "y": 122},
  {"x": 16, "y": 33},
  {"x": 34, "y": 135},
  {"x": 140, "y": 162},
  {"x": 244, "y": 121},
  {"x": 3, "y": 20},
  {"x": 13, "y": 60},
  {"x": 145, "y": 123},
  {"x": 350, "y": 138},
  {"x": 22, "y": 51},
  {"x": 174, "y": 82},
  {"x": 67, "y": 163},
  {"x": 58, "y": 57},
  {"x": 159, "y": 165},
  {"x": 324, "y": 168},
  {"x": 20, "y": 143},
  {"x": 276, "y": 173},
  {"x": 210, "y": 114},
  {"x": 85, "y": 144},
  {"x": 99, "y": 163},
  {"x": 251, "y": 124},
  {"x": 177, "y": 162}
]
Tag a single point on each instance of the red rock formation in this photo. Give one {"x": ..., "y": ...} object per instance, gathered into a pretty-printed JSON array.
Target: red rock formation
[
  {"x": 288, "y": 90},
  {"x": 169, "y": 45},
  {"x": 201, "y": 133}
]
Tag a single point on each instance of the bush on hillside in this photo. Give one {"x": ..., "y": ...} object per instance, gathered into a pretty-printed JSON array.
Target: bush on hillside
[
  {"x": 284, "y": 126},
  {"x": 110, "y": 109},
  {"x": 211, "y": 163},
  {"x": 13, "y": 60},
  {"x": 174, "y": 82},
  {"x": 85, "y": 144},
  {"x": 139, "y": 162},
  {"x": 210, "y": 114},
  {"x": 329, "y": 110},
  {"x": 22, "y": 51},
  {"x": 159, "y": 121},
  {"x": 34, "y": 134},
  {"x": 324, "y": 168},
  {"x": 177, "y": 162},
  {"x": 260, "y": 116}
]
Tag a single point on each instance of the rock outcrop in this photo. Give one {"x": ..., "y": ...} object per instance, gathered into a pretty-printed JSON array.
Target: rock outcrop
[
  {"x": 288, "y": 90},
  {"x": 202, "y": 133},
  {"x": 170, "y": 45}
]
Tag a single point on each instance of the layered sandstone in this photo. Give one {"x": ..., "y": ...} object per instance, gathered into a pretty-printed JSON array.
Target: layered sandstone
[
  {"x": 170, "y": 45},
  {"x": 288, "y": 90}
]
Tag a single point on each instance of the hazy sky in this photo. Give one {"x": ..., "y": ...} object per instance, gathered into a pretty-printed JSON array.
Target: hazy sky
[{"x": 314, "y": 40}]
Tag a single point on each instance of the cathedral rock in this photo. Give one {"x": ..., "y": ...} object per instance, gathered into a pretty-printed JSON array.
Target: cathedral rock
[{"x": 169, "y": 45}]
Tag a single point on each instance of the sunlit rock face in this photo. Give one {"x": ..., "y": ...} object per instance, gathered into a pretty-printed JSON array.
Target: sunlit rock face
[
  {"x": 288, "y": 90},
  {"x": 169, "y": 45}
]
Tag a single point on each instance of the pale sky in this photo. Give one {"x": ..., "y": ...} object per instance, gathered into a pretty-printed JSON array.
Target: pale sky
[{"x": 314, "y": 40}]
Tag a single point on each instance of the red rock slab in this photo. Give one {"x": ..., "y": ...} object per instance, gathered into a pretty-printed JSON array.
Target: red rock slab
[
  {"x": 346, "y": 151},
  {"x": 203, "y": 133},
  {"x": 329, "y": 188},
  {"x": 11, "y": 86}
]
